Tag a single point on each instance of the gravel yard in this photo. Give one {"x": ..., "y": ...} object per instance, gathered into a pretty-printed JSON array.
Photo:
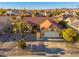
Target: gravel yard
[{"x": 11, "y": 49}]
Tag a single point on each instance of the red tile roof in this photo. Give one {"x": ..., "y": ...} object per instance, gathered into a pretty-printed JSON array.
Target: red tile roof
[
  {"x": 35, "y": 20},
  {"x": 52, "y": 18}
]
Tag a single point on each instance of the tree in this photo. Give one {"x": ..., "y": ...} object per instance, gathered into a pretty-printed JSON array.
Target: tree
[
  {"x": 19, "y": 26},
  {"x": 77, "y": 13},
  {"x": 69, "y": 35},
  {"x": 34, "y": 12},
  {"x": 63, "y": 23},
  {"x": 22, "y": 44},
  {"x": 16, "y": 24},
  {"x": 50, "y": 13},
  {"x": 56, "y": 12},
  {"x": 2, "y": 11}
]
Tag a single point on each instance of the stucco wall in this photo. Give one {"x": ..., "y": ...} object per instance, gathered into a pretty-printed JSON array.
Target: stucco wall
[{"x": 46, "y": 24}]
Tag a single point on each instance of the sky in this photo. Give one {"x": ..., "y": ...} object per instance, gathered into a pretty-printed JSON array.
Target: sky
[{"x": 39, "y": 5}]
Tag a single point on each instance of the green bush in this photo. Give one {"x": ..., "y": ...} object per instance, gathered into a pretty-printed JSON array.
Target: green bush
[
  {"x": 22, "y": 44},
  {"x": 69, "y": 35}
]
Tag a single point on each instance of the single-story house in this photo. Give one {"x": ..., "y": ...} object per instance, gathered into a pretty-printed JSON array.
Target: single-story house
[
  {"x": 12, "y": 12},
  {"x": 40, "y": 22},
  {"x": 74, "y": 25},
  {"x": 69, "y": 18},
  {"x": 38, "y": 14}
]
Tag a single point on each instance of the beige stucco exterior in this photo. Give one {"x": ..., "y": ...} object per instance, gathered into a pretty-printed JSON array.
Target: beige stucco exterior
[
  {"x": 46, "y": 24},
  {"x": 68, "y": 20}
]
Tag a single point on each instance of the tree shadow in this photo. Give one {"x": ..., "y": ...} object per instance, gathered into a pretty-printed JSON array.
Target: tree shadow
[
  {"x": 3, "y": 56},
  {"x": 56, "y": 51},
  {"x": 4, "y": 49},
  {"x": 41, "y": 48},
  {"x": 7, "y": 37}
]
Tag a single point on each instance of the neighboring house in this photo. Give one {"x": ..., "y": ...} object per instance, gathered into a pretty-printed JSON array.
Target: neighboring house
[
  {"x": 44, "y": 14},
  {"x": 39, "y": 15},
  {"x": 26, "y": 13},
  {"x": 75, "y": 25},
  {"x": 40, "y": 22},
  {"x": 12, "y": 12},
  {"x": 69, "y": 18},
  {"x": 59, "y": 17}
]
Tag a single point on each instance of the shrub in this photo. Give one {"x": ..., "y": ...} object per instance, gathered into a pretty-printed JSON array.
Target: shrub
[
  {"x": 22, "y": 44},
  {"x": 69, "y": 35}
]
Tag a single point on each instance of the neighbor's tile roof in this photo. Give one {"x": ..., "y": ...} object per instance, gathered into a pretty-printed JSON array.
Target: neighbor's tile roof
[{"x": 76, "y": 23}]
